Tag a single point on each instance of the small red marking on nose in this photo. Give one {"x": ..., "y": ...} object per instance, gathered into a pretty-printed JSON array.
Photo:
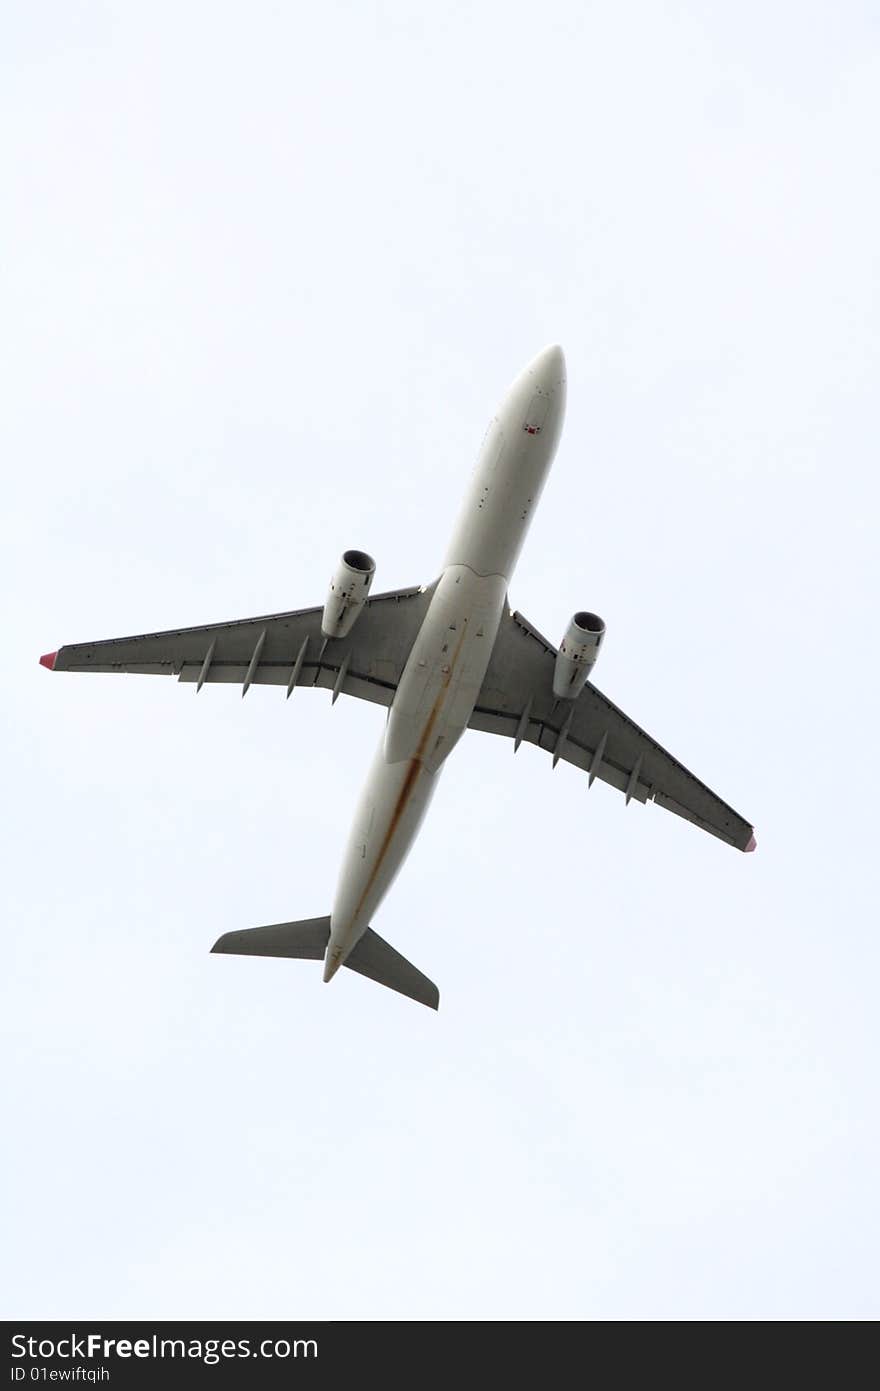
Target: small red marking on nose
[{"x": 49, "y": 660}]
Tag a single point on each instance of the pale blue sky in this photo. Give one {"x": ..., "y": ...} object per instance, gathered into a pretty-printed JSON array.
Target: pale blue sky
[{"x": 267, "y": 269}]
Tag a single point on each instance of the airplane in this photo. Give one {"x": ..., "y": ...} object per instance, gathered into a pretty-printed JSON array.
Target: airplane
[{"x": 442, "y": 658}]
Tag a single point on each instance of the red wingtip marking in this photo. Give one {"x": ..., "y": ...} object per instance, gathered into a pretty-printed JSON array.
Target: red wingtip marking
[
  {"x": 752, "y": 845},
  {"x": 49, "y": 660}
]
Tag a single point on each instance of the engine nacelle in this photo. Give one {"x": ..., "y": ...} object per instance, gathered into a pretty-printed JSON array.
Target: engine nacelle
[
  {"x": 349, "y": 588},
  {"x": 577, "y": 655}
]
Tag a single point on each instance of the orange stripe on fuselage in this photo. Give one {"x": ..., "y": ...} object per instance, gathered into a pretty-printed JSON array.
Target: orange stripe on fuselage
[{"x": 413, "y": 771}]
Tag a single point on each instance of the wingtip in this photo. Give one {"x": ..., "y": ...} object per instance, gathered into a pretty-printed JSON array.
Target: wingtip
[
  {"x": 48, "y": 660},
  {"x": 752, "y": 845}
]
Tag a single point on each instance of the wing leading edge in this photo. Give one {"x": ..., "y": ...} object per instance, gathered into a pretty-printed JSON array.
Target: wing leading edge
[
  {"x": 516, "y": 700},
  {"x": 279, "y": 649}
]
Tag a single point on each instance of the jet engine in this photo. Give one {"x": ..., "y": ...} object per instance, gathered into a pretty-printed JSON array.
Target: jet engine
[
  {"x": 349, "y": 588},
  {"x": 577, "y": 655}
]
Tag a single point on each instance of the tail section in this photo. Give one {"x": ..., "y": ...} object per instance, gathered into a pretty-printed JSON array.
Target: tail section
[{"x": 307, "y": 940}]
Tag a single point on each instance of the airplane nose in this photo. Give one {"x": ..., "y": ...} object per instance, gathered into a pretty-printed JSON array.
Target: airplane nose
[
  {"x": 549, "y": 367},
  {"x": 539, "y": 391}
]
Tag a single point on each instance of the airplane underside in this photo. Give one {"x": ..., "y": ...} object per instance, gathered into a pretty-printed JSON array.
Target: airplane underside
[{"x": 441, "y": 658}]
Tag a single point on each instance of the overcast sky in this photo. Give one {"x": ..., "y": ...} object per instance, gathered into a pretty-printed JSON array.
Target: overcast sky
[{"x": 267, "y": 270}]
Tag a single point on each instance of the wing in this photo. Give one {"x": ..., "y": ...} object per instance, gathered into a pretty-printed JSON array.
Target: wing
[
  {"x": 517, "y": 699},
  {"x": 279, "y": 649}
]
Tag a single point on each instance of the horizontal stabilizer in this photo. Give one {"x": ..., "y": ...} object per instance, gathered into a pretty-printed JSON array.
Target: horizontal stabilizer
[
  {"x": 373, "y": 957},
  {"x": 307, "y": 940}
]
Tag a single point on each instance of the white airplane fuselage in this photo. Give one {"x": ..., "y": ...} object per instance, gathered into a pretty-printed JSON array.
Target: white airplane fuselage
[{"x": 445, "y": 669}]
